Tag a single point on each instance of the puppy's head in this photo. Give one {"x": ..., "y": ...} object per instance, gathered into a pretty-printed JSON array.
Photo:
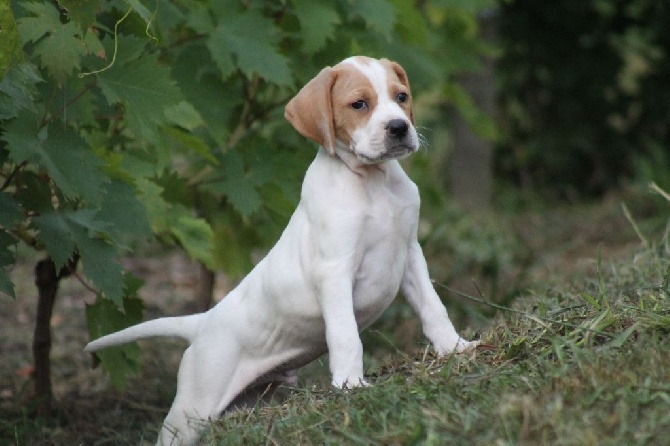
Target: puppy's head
[{"x": 361, "y": 105}]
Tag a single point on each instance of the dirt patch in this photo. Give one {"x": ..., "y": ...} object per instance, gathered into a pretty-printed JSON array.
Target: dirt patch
[{"x": 88, "y": 410}]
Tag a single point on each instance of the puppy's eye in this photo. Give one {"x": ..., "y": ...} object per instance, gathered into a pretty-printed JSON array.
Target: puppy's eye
[
  {"x": 359, "y": 105},
  {"x": 402, "y": 97}
]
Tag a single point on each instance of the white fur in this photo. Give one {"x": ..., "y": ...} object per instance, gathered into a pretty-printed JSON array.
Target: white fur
[{"x": 348, "y": 249}]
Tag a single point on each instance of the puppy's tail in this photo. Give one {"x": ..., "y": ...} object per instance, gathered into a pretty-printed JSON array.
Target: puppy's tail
[{"x": 182, "y": 326}]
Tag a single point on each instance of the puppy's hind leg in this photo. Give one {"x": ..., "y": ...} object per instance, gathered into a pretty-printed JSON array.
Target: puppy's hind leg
[{"x": 203, "y": 384}]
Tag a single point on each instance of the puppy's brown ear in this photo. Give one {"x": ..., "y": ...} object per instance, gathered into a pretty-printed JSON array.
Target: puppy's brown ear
[
  {"x": 311, "y": 110},
  {"x": 402, "y": 77}
]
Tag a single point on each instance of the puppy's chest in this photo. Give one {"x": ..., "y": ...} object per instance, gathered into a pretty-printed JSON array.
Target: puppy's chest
[
  {"x": 387, "y": 234},
  {"x": 391, "y": 219}
]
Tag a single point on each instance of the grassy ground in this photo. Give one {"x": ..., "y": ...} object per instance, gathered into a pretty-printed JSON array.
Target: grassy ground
[
  {"x": 579, "y": 356},
  {"x": 583, "y": 363}
]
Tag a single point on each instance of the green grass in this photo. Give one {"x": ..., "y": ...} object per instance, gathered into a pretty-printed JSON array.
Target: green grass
[{"x": 584, "y": 362}]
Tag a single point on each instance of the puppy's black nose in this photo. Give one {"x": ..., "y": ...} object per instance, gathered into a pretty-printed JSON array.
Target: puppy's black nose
[{"x": 397, "y": 128}]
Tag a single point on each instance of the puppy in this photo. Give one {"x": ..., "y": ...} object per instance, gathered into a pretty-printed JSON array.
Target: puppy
[{"x": 348, "y": 249}]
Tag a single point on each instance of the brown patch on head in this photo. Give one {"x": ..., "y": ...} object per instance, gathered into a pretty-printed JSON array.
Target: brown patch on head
[
  {"x": 322, "y": 110},
  {"x": 399, "y": 83},
  {"x": 351, "y": 87}
]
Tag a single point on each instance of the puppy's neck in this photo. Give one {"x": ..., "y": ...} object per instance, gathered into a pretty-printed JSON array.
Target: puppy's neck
[{"x": 357, "y": 166}]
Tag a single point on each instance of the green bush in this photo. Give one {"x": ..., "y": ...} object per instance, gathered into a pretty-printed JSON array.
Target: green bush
[{"x": 583, "y": 93}]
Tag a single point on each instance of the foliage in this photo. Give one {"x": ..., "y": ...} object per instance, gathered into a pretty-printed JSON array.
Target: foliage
[
  {"x": 130, "y": 120},
  {"x": 582, "y": 91}
]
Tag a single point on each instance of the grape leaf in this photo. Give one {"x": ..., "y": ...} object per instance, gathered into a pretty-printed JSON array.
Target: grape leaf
[
  {"x": 61, "y": 151},
  {"x": 100, "y": 261},
  {"x": 249, "y": 41},
  {"x": 58, "y": 45},
  {"x": 55, "y": 233},
  {"x": 7, "y": 256},
  {"x": 105, "y": 317},
  {"x": 10, "y": 211},
  {"x": 238, "y": 187},
  {"x": 158, "y": 210},
  {"x": 33, "y": 192},
  {"x": 194, "y": 234},
  {"x": 379, "y": 15},
  {"x": 17, "y": 90},
  {"x": 318, "y": 20},
  {"x": 413, "y": 27},
  {"x": 81, "y": 11},
  {"x": 184, "y": 115},
  {"x": 73, "y": 166},
  {"x": 145, "y": 89},
  {"x": 213, "y": 100},
  {"x": 122, "y": 209},
  {"x": 193, "y": 143},
  {"x": 64, "y": 232},
  {"x": 10, "y": 44}
]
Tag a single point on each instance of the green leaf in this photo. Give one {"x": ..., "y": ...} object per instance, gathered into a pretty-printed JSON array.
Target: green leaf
[
  {"x": 193, "y": 143},
  {"x": 72, "y": 165},
  {"x": 33, "y": 192},
  {"x": 81, "y": 11},
  {"x": 231, "y": 249},
  {"x": 184, "y": 115},
  {"x": 64, "y": 232},
  {"x": 145, "y": 89},
  {"x": 61, "y": 151},
  {"x": 412, "y": 28},
  {"x": 55, "y": 232},
  {"x": 482, "y": 124},
  {"x": 17, "y": 90},
  {"x": 6, "y": 284},
  {"x": 11, "y": 213},
  {"x": 100, "y": 261},
  {"x": 158, "y": 210},
  {"x": 318, "y": 20},
  {"x": 242, "y": 195},
  {"x": 7, "y": 258},
  {"x": 379, "y": 15},
  {"x": 194, "y": 234},
  {"x": 213, "y": 100},
  {"x": 104, "y": 317},
  {"x": 10, "y": 43},
  {"x": 125, "y": 213},
  {"x": 58, "y": 45},
  {"x": 142, "y": 11},
  {"x": 237, "y": 185},
  {"x": 249, "y": 41}
]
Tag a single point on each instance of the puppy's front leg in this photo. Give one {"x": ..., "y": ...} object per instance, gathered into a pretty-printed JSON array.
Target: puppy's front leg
[
  {"x": 419, "y": 291},
  {"x": 345, "y": 348}
]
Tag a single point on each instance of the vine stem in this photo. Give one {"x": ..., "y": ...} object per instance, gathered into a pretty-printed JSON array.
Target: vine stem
[
  {"x": 12, "y": 174},
  {"x": 116, "y": 46},
  {"x": 75, "y": 98}
]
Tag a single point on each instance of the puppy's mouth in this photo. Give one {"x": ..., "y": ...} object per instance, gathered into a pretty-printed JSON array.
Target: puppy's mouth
[{"x": 394, "y": 152}]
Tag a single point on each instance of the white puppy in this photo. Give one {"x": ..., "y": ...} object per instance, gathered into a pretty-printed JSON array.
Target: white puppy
[{"x": 348, "y": 249}]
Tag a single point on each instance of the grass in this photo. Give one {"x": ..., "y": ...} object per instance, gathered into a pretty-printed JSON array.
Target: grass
[
  {"x": 582, "y": 363},
  {"x": 577, "y": 352}
]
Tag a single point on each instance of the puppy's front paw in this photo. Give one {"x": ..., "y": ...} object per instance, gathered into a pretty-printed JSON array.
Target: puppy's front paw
[
  {"x": 460, "y": 346},
  {"x": 350, "y": 383}
]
